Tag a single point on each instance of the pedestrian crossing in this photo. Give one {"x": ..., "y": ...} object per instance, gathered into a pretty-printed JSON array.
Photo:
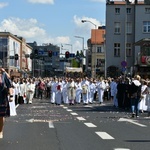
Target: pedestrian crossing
[{"x": 102, "y": 135}]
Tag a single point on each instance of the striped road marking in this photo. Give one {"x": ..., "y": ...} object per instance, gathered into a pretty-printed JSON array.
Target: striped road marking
[
  {"x": 104, "y": 135},
  {"x": 74, "y": 114},
  {"x": 65, "y": 107},
  {"x": 121, "y": 149},
  {"x": 81, "y": 118},
  {"x": 69, "y": 110},
  {"x": 51, "y": 125},
  {"x": 91, "y": 125}
]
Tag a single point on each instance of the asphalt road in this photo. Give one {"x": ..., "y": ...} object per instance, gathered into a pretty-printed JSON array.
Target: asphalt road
[{"x": 43, "y": 126}]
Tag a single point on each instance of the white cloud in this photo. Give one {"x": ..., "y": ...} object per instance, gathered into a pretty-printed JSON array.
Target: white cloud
[
  {"x": 3, "y": 4},
  {"x": 31, "y": 30},
  {"x": 91, "y": 23},
  {"x": 42, "y": 1}
]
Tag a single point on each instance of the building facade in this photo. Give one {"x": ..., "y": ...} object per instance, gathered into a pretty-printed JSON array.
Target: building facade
[
  {"x": 126, "y": 23},
  {"x": 95, "y": 55},
  {"x": 10, "y": 45},
  {"x": 45, "y": 64}
]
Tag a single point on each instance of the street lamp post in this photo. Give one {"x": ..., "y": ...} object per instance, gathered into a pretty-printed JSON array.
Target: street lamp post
[
  {"x": 70, "y": 45},
  {"x": 93, "y": 55}
]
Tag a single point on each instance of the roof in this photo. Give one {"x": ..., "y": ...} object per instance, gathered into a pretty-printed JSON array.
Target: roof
[
  {"x": 97, "y": 36},
  {"x": 123, "y": 2}
]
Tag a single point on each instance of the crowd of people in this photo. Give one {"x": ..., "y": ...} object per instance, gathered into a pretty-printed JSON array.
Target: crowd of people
[{"x": 124, "y": 92}]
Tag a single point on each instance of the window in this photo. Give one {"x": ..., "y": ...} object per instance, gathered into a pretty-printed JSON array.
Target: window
[
  {"x": 146, "y": 26},
  {"x": 128, "y": 10},
  {"x": 147, "y": 10},
  {"x": 128, "y": 27},
  {"x": 117, "y": 11},
  {"x": 128, "y": 50},
  {"x": 99, "y": 50},
  {"x": 117, "y": 27},
  {"x": 117, "y": 49}
]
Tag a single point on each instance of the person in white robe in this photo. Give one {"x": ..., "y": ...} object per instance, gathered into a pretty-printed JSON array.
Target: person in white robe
[
  {"x": 22, "y": 91},
  {"x": 30, "y": 89},
  {"x": 92, "y": 90},
  {"x": 64, "y": 92},
  {"x": 100, "y": 88},
  {"x": 71, "y": 91},
  {"x": 53, "y": 90},
  {"x": 85, "y": 90},
  {"x": 148, "y": 98},
  {"x": 142, "y": 104},
  {"x": 12, "y": 105},
  {"x": 58, "y": 96},
  {"x": 16, "y": 89},
  {"x": 78, "y": 91}
]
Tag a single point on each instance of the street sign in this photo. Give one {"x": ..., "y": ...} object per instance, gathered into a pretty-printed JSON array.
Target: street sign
[
  {"x": 123, "y": 63},
  {"x": 123, "y": 69}
]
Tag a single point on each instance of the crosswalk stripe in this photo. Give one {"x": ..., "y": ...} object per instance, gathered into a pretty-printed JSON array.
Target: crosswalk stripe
[
  {"x": 65, "y": 107},
  {"x": 69, "y": 110},
  {"x": 81, "y": 118},
  {"x": 121, "y": 149},
  {"x": 74, "y": 114},
  {"x": 51, "y": 125},
  {"x": 91, "y": 125},
  {"x": 104, "y": 135}
]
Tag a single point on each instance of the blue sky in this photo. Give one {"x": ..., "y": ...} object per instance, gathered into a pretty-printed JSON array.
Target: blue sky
[{"x": 52, "y": 21}]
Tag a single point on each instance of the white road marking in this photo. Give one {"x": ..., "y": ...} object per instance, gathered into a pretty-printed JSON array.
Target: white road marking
[
  {"x": 132, "y": 121},
  {"x": 51, "y": 125},
  {"x": 81, "y": 118},
  {"x": 74, "y": 114},
  {"x": 104, "y": 135},
  {"x": 91, "y": 125},
  {"x": 121, "y": 149},
  {"x": 69, "y": 110},
  {"x": 65, "y": 107}
]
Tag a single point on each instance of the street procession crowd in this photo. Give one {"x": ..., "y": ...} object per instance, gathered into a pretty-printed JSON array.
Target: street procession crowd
[{"x": 123, "y": 92}]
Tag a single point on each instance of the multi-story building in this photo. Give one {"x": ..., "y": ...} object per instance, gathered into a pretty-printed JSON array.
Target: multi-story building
[
  {"x": 45, "y": 64},
  {"x": 11, "y": 45},
  {"x": 126, "y": 24},
  {"x": 95, "y": 55}
]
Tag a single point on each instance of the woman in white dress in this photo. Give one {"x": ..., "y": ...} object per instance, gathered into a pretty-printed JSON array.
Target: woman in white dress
[{"x": 142, "y": 103}]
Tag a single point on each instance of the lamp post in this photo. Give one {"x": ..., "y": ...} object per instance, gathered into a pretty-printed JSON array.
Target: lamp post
[
  {"x": 70, "y": 45},
  {"x": 83, "y": 59},
  {"x": 93, "y": 55}
]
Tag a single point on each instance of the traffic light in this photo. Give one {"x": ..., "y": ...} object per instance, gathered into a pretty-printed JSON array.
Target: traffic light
[
  {"x": 67, "y": 54},
  {"x": 31, "y": 56},
  {"x": 50, "y": 53},
  {"x": 16, "y": 56}
]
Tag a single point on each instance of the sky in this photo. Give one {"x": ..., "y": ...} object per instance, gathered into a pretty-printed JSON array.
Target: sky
[{"x": 52, "y": 21}]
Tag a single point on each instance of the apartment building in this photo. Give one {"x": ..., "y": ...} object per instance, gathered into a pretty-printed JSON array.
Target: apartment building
[
  {"x": 126, "y": 24},
  {"x": 11, "y": 45},
  {"x": 95, "y": 56}
]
